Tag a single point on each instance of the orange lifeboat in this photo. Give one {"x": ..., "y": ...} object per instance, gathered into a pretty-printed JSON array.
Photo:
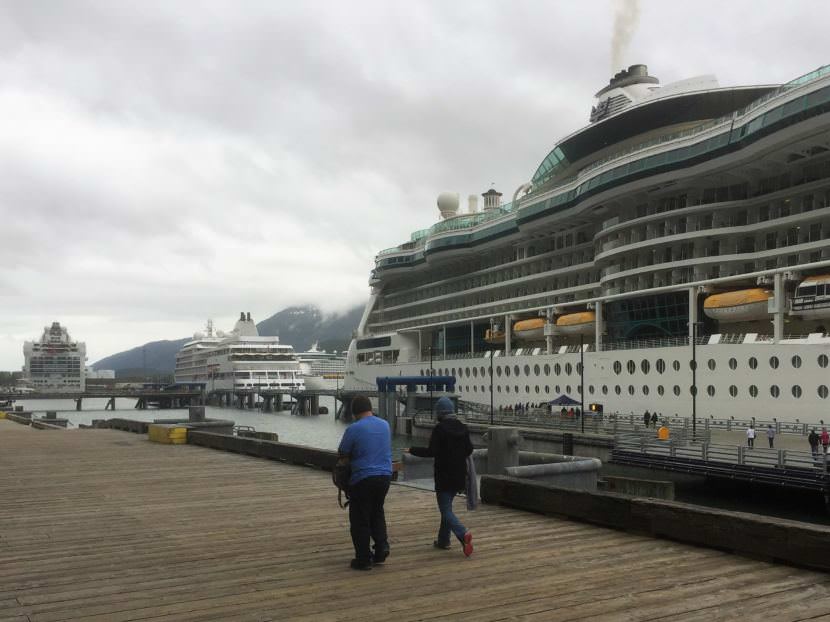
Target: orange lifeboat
[
  {"x": 581, "y": 323},
  {"x": 530, "y": 330},
  {"x": 743, "y": 305},
  {"x": 494, "y": 337}
]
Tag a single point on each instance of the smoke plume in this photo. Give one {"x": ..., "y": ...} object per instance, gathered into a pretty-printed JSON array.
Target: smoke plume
[{"x": 626, "y": 16}]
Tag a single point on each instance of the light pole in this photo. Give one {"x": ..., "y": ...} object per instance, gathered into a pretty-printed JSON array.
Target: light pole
[
  {"x": 491, "y": 386},
  {"x": 694, "y": 379},
  {"x": 582, "y": 383},
  {"x": 431, "y": 381}
]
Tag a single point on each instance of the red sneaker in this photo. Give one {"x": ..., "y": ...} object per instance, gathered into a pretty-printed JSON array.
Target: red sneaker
[{"x": 468, "y": 543}]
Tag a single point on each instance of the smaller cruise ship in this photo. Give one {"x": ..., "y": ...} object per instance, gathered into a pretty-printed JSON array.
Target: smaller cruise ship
[
  {"x": 54, "y": 363},
  {"x": 240, "y": 361},
  {"x": 322, "y": 370}
]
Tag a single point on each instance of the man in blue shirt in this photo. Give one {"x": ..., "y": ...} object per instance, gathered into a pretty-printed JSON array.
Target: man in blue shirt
[{"x": 368, "y": 445}]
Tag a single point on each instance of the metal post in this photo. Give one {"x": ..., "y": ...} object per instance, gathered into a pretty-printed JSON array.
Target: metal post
[
  {"x": 694, "y": 380},
  {"x": 582, "y": 382},
  {"x": 431, "y": 382},
  {"x": 491, "y": 386}
]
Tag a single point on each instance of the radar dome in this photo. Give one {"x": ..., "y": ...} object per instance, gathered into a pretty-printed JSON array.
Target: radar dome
[{"x": 448, "y": 204}]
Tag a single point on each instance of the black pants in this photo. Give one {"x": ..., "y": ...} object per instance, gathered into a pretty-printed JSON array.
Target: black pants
[{"x": 366, "y": 516}]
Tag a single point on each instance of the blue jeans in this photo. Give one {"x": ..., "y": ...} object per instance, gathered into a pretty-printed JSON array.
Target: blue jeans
[{"x": 449, "y": 521}]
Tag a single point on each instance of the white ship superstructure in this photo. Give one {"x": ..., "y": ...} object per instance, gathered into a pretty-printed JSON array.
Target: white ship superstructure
[
  {"x": 684, "y": 214},
  {"x": 322, "y": 370},
  {"x": 55, "y": 362},
  {"x": 239, "y": 361}
]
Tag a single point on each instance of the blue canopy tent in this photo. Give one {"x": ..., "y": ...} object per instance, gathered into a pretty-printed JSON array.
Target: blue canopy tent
[{"x": 564, "y": 400}]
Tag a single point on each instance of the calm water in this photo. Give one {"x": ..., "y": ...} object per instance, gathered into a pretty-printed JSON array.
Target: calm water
[{"x": 320, "y": 431}]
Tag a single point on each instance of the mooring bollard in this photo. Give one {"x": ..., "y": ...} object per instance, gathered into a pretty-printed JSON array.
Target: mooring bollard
[{"x": 502, "y": 449}]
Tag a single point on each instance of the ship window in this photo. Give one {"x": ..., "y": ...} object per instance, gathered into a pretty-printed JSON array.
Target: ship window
[
  {"x": 547, "y": 369},
  {"x": 498, "y": 371},
  {"x": 796, "y": 391},
  {"x": 507, "y": 388},
  {"x": 773, "y": 362},
  {"x": 527, "y": 370},
  {"x": 796, "y": 361},
  {"x": 567, "y": 389},
  {"x": 579, "y": 368},
  {"x": 498, "y": 389},
  {"x": 733, "y": 364},
  {"x": 693, "y": 390},
  {"x": 475, "y": 388},
  {"x": 753, "y": 362},
  {"x": 547, "y": 389},
  {"x": 660, "y": 389},
  {"x": 631, "y": 389},
  {"x": 711, "y": 390},
  {"x": 822, "y": 391},
  {"x": 645, "y": 389},
  {"x": 733, "y": 391},
  {"x": 631, "y": 366},
  {"x": 676, "y": 389},
  {"x": 516, "y": 388},
  {"x": 537, "y": 388},
  {"x": 527, "y": 389},
  {"x": 645, "y": 366},
  {"x": 568, "y": 369},
  {"x": 822, "y": 360},
  {"x": 617, "y": 390},
  {"x": 712, "y": 364},
  {"x": 605, "y": 389},
  {"x": 482, "y": 372},
  {"x": 516, "y": 371},
  {"x": 507, "y": 370},
  {"x": 591, "y": 389},
  {"x": 617, "y": 367},
  {"x": 753, "y": 390},
  {"x": 535, "y": 370},
  {"x": 774, "y": 391},
  {"x": 475, "y": 372},
  {"x": 660, "y": 365},
  {"x": 676, "y": 365},
  {"x": 557, "y": 369}
]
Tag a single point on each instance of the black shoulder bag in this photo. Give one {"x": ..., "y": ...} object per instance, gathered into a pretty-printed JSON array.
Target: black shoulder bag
[{"x": 340, "y": 475}]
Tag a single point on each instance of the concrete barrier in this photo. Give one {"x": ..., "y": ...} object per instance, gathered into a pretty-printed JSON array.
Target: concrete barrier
[
  {"x": 284, "y": 452},
  {"x": 639, "y": 487},
  {"x": 780, "y": 540},
  {"x": 17, "y": 418},
  {"x": 578, "y": 474},
  {"x": 128, "y": 425}
]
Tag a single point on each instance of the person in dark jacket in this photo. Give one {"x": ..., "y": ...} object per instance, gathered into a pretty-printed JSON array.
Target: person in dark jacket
[
  {"x": 813, "y": 440},
  {"x": 450, "y": 445}
]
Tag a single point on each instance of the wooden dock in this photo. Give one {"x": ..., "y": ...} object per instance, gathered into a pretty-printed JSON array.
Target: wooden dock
[{"x": 103, "y": 525}]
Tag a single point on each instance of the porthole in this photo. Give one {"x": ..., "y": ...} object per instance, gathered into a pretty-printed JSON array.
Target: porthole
[
  {"x": 753, "y": 362},
  {"x": 498, "y": 371},
  {"x": 482, "y": 372},
  {"x": 676, "y": 365},
  {"x": 527, "y": 370},
  {"x": 692, "y": 365},
  {"x": 468, "y": 372},
  {"x": 422, "y": 372},
  {"x": 660, "y": 365},
  {"x": 617, "y": 367},
  {"x": 676, "y": 389},
  {"x": 631, "y": 389},
  {"x": 475, "y": 372},
  {"x": 591, "y": 389},
  {"x": 547, "y": 389},
  {"x": 733, "y": 390},
  {"x": 822, "y": 391},
  {"x": 547, "y": 369},
  {"x": 692, "y": 390},
  {"x": 498, "y": 389},
  {"x": 568, "y": 369},
  {"x": 536, "y": 370},
  {"x": 822, "y": 360},
  {"x": 483, "y": 390},
  {"x": 527, "y": 388},
  {"x": 517, "y": 389},
  {"x": 516, "y": 370},
  {"x": 579, "y": 368},
  {"x": 660, "y": 389},
  {"x": 645, "y": 366},
  {"x": 710, "y": 390},
  {"x": 645, "y": 389},
  {"x": 557, "y": 389},
  {"x": 796, "y": 390},
  {"x": 507, "y": 388},
  {"x": 753, "y": 390},
  {"x": 632, "y": 367},
  {"x": 774, "y": 391},
  {"x": 733, "y": 364},
  {"x": 712, "y": 365},
  {"x": 796, "y": 361},
  {"x": 507, "y": 371},
  {"x": 475, "y": 388},
  {"x": 773, "y": 362},
  {"x": 568, "y": 390},
  {"x": 617, "y": 390},
  {"x": 452, "y": 371},
  {"x": 537, "y": 388},
  {"x": 557, "y": 370},
  {"x": 489, "y": 371},
  {"x": 605, "y": 389}
]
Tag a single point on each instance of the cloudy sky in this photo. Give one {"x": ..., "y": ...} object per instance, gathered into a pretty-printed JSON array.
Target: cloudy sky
[{"x": 165, "y": 162}]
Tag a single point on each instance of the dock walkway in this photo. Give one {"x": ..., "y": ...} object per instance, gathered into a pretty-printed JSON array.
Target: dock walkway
[{"x": 103, "y": 525}]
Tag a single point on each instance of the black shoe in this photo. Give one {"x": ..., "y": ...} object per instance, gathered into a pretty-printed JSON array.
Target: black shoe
[
  {"x": 359, "y": 565},
  {"x": 440, "y": 545},
  {"x": 378, "y": 559}
]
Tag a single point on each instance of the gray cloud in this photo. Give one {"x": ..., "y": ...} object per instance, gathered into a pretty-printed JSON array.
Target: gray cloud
[{"x": 168, "y": 161}]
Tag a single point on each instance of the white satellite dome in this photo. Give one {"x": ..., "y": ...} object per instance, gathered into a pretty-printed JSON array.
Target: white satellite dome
[
  {"x": 448, "y": 204},
  {"x": 198, "y": 335}
]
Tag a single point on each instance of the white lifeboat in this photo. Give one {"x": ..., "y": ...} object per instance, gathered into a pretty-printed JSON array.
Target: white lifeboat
[
  {"x": 581, "y": 323},
  {"x": 742, "y": 305},
  {"x": 811, "y": 300},
  {"x": 530, "y": 330}
]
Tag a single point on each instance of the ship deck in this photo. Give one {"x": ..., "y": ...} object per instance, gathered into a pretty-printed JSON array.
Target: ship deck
[{"x": 104, "y": 525}]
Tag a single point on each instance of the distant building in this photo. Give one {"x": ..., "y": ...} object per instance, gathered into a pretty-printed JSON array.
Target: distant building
[
  {"x": 100, "y": 374},
  {"x": 55, "y": 362}
]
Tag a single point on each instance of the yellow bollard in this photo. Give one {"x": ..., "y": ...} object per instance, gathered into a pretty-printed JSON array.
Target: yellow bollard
[{"x": 167, "y": 434}]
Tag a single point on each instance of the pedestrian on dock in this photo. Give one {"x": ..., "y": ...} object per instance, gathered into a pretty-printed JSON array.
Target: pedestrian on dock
[
  {"x": 750, "y": 436},
  {"x": 825, "y": 439},
  {"x": 771, "y": 436},
  {"x": 646, "y": 418},
  {"x": 368, "y": 446},
  {"x": 450, "y": 445},
  {"x": 654, "y": 419},
  {"x": 813, "y": 439}
]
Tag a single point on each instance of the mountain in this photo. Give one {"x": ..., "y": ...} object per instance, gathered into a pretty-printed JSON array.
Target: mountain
[{"x": 300, "y": 327}]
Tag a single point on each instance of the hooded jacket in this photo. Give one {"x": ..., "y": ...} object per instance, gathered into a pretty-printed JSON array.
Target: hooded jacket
[{"x": 450, "y": 445}]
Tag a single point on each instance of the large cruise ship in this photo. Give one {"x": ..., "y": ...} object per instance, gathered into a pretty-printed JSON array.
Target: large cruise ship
[
  {"x": 684, "y": 221},
  {"x": 322, "y": 370},
  {"x": 240, "y": 361},
  {"x": 55, "y": 363}
]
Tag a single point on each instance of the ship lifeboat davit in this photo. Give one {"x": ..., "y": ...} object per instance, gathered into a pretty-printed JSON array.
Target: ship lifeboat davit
[
  {"x": 494, "y": 337},
  {"x": 742, "y": 305},
  {"x": 581, "y": 323},
  {"x": 530, "y": 330}
]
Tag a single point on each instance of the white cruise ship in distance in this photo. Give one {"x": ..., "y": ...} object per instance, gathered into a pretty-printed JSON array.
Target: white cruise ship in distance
[
  {"x": 55, "y": 362},
  {"x": 239, "y": 361},
  {"x": 684, "y": 212},
  {"x": 322, "y": 370}
]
